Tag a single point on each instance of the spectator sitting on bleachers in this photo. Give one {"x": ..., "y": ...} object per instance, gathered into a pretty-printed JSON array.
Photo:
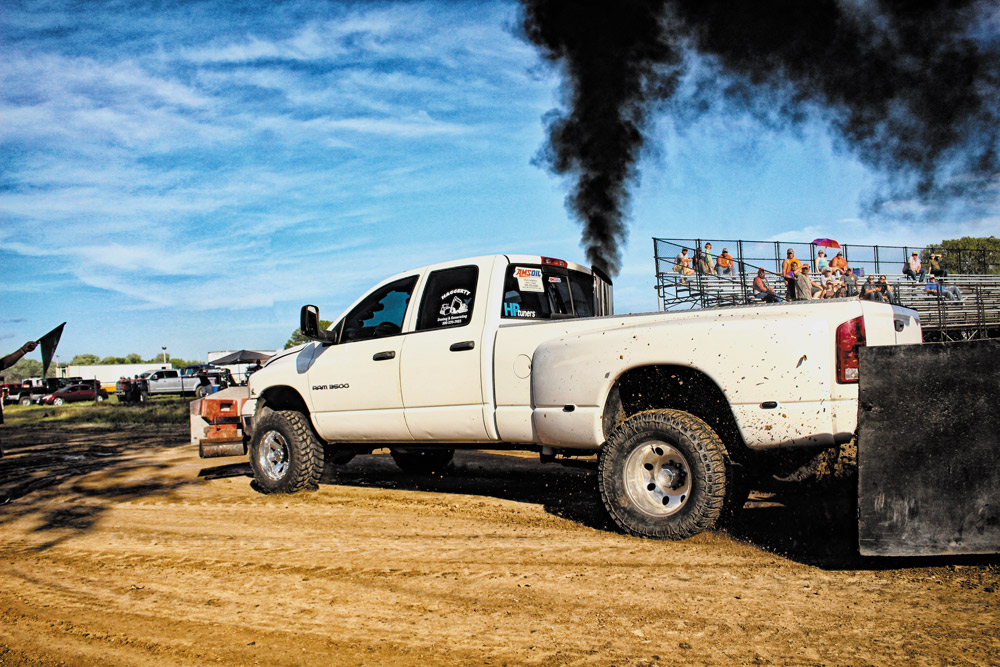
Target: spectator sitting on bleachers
[
  {"x": 885, "y": 288},
  {"x": 762, "y": 289},
  {"x": 950, "y": 292},
  {"x": 936, "y": 270},
  {"x": 913, "y": 269},
  {"x": 701, "y": 264},
  {"x": 821, "y": 262},
  {"x": 682, "y": 264},
  {"x": 870, "y": 291},
  {"x": 833, "y": 286},
  {"x": 724, "y": 264},
  {"x": 840, "y": 262}
]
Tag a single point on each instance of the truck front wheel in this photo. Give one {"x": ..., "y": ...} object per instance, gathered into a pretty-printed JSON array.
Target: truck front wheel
[
  {"x": 662, "y": 474},
  {"x": 285, "y": 454}
]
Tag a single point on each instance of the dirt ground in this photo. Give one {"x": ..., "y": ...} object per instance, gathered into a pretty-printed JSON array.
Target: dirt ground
[{"x": 121, "y": 547}]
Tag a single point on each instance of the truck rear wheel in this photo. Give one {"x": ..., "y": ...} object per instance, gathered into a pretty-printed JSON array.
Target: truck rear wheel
[
  {"x": 422, "y": 461},
  {"x": 285, "y": 454},
  {"x": 25, "y": 400},
  {"x": 662, "y": 474}
]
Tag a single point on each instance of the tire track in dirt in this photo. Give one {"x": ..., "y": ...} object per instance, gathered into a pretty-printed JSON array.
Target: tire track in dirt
[{"x": 501, "y": 561}]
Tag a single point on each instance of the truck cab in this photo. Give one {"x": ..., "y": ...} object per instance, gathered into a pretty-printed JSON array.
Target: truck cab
[{"x": 413, "y": 359}]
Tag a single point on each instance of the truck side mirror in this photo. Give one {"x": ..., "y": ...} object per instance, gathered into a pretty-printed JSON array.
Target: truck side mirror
[{"x": 309, "y": 325}]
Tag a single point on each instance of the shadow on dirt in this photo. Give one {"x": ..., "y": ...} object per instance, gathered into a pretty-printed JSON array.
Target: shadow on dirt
[
  {"x": 813, "y": 525},
  {"x": 66, "y": 479}
]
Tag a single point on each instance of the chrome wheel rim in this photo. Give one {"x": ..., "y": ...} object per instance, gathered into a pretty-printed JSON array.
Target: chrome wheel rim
[
  {"x": 657, "y": 478},
  {"x": 272, "y": 457}
]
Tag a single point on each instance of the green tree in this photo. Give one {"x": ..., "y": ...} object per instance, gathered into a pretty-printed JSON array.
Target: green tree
[
  {"x": 85, "y": 360},
  {"x": 25, "y": 368},
  {"x": 297, "y": 337},
  {"x": 969, "y": 254}
]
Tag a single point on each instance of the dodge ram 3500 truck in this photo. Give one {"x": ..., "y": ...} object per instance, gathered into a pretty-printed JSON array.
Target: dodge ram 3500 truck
[{"x": 521, "y": 352}]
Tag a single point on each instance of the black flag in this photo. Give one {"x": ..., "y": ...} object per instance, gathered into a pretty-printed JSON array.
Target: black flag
[{"x": 49, "y": 342}]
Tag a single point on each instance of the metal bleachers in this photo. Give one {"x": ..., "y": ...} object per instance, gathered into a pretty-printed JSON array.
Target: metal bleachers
[{"x": 976, "y": 315}]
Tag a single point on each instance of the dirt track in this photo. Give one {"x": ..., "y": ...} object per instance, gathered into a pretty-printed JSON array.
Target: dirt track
[{"x": 123, "y": 547}]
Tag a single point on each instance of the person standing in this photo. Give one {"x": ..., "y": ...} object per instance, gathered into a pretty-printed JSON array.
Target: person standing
[
  {"x": 802, "y": 284},
  {"x": 788, "y": 272},
  {"x": 6, "y": 363}
]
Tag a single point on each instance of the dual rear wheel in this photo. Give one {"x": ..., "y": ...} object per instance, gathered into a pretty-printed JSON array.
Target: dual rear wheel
[{"x": 663, "y": 474}]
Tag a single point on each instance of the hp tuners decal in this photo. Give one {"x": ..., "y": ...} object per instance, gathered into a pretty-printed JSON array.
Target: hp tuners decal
[{"x": 514, "y": 310}]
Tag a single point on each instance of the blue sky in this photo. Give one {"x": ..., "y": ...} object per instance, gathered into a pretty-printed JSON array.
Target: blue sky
[{"x": 188, "y": 176}]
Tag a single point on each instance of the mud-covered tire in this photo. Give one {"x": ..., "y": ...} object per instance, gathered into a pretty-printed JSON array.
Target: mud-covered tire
[
  {"x": 663, "y": 474},
  {"x": 422, "y": 461},
  {"x": 285, "y": 454}
]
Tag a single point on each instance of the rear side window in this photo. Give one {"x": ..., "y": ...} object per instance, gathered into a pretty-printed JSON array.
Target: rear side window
[
  {"x": 539, "y": 293},
  {"x": 449, "y": 298}
]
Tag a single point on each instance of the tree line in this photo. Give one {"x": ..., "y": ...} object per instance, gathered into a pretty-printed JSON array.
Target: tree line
[{"x": 31, "y": 368}]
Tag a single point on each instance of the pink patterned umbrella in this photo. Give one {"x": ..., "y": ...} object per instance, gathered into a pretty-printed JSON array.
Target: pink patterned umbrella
[{"x": 828, "y": 243}]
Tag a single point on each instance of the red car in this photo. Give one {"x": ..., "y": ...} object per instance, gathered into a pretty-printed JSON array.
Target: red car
[{"x": 74, "y": 392}]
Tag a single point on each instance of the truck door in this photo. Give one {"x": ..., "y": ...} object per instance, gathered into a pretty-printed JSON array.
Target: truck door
[
  {"x": 354, "y": 384},
  {"x": 442, "y": 363},
  {"x": 165, "y": 382}
]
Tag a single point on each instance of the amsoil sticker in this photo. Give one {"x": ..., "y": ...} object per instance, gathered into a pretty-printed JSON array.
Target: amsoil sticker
[
  {"x": 529, "y": 280},
  {"x": 454, "y": 307}
]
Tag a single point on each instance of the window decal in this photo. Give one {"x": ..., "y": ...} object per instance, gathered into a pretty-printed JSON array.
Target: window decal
[
  {"x": 529, "y": 280},
  {"x": 454, "y": 307}
]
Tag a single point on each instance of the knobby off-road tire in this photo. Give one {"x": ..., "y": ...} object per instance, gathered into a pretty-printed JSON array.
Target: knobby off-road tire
[
  {"x": 663, "y": 474},
  {"x": 422, "y": 461},
  {"x": 285, "y": 454}
]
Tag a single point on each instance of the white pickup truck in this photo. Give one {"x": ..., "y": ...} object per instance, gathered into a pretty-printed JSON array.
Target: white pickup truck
[
  {"x": 520, "y": 351},
  {"x": 171, "y": 381}
]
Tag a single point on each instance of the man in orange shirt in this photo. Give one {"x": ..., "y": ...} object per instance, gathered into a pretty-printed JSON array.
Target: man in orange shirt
[
  {"x": 788, "y": 271},
  {"x": 724, "y": 264}
]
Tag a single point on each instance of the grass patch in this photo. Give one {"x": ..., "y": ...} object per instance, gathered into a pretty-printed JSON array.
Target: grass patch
[{"x": 159, "y": 410}]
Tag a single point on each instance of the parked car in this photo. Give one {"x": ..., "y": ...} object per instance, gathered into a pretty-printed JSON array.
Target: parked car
[
  {"x": 10, "y": 392},
  {"x": 74, "y": 393}
]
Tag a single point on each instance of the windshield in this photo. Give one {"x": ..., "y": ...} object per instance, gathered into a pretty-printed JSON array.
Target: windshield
[{"x": 536, "y": 292}]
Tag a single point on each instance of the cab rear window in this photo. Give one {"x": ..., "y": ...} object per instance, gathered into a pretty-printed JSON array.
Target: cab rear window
[{"x": 538, "y": 292}]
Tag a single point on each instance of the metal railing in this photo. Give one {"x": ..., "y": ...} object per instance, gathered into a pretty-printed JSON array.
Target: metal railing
[{"x": 977, "y": 317}]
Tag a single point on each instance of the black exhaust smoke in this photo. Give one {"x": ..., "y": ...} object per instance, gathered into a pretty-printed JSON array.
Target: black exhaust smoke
[{"x": 911, "y": 88}]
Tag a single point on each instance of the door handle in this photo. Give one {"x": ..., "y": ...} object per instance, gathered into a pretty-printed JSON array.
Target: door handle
[
  {"x": 384, "y": 356},
  {"x": 464, "y": 345}
]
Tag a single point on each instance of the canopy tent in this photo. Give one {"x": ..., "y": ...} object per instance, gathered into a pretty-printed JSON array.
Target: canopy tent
[{"x": 240, "y": 357}]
